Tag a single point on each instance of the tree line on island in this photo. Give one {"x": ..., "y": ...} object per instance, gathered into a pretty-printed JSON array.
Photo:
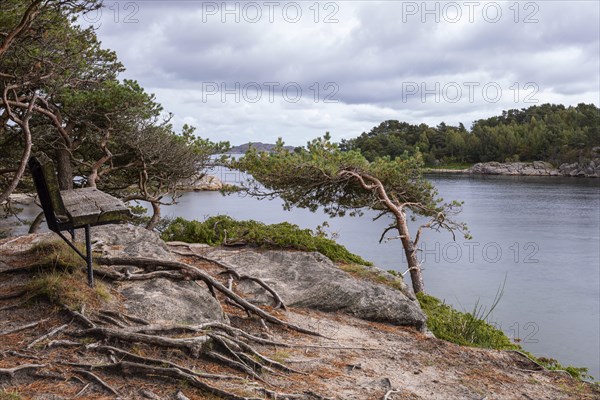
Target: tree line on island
[{"x": 547, "y": 132}]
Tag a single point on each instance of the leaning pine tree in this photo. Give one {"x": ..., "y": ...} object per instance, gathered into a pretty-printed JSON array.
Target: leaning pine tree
[{"x": 324, "y": 176}]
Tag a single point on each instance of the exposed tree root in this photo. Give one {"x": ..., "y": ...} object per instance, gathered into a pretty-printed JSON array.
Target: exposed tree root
[
  {"x": 128, "y": 319},
  {"x": 98, "y": 380},
  {"x": 136, "y": 369},
  {"x": 12, "y": 371},
  {"x": 82, "y": 390},
  {"x": 136, "y": 358},
  {"x": 210, "y": 340},
  {"x": 193, "y": 345},
  {"x": 15, "y": 292},
  {"x": 46, "y": 336},
  {"x": 18, "y": 354},
  {"x": 23, "y": 327},
  {"x": 215, "y": 341},
  {"x": 239, "y": 365},
  {"x": 180, "y": 396},
  {"x": 194, "y": 273},
  {"x": 230, "y": 269}
]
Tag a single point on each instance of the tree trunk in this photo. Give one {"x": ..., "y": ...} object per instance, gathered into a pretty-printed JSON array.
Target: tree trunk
[
  {"x": 416, "y": 276},
  {"x": 155, "y": 216},
  {"x": 64, "y": 169},
  {"x": 35, "y": 225},
  {"x": 22, "y": 164}
]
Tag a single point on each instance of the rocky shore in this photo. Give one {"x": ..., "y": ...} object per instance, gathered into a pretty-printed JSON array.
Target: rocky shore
[
  {"x": 202, "y": 183},
  {"x": 587, "y": 169},
  {"x": 176, "y": 321},
  {"x": 536, "y": 168}
]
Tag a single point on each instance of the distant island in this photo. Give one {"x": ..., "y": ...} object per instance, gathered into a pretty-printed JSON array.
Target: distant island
[{"x": 259, "y": 146}]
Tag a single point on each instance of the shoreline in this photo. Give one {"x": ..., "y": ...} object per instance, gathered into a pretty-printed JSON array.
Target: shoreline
[{"x": 589, "y": 169}]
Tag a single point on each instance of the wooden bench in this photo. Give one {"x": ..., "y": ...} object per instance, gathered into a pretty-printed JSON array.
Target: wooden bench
[{"x": 67, "y": 210}]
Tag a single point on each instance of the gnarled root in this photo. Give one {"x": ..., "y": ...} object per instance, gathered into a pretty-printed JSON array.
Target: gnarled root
[{"x": 179, "y": 270}]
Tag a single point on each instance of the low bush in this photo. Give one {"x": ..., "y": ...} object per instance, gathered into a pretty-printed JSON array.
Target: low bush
[{"x": 222, "y": 229}]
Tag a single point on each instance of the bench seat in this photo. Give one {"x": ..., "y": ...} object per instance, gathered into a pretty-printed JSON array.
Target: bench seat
[{"x": 90, "y": 206}]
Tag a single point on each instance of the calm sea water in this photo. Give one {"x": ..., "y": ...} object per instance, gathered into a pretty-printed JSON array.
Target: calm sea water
[{"x": 540, "y": 234}]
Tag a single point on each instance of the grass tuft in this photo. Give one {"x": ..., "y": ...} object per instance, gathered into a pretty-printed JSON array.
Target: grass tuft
[
  {"x": 9, "y": 395},
  {"x": 62, "y": 279},
  {"x": 364, "y": 272},
  {"x": 57, "y": 254},
  {"x": 466, "y": 329}
]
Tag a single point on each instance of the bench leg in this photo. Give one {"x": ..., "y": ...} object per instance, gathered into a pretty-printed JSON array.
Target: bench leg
[{"x": 88, "y": 258}]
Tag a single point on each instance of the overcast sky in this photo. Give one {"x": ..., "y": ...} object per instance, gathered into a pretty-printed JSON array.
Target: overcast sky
[{"x": 253, "y": 71}]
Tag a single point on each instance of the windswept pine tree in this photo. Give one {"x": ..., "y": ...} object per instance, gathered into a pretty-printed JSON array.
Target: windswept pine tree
[{"x": 345, "y": 181}]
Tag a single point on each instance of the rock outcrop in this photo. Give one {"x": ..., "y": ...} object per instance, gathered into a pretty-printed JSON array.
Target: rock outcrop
[
  {"x": 129, "y": 241},
  {"x": 205, "y": 182},
  {"x": 312, "y": 281},
  {"x": 588, "y": 169},
  {"x": 536, "y": 168},
  {"x": 161, "y": 300},
  {"x": 259, "y": 146}
]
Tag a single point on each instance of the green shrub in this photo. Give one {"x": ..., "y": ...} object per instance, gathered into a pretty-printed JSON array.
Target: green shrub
[{"x": 225, "y": 230}]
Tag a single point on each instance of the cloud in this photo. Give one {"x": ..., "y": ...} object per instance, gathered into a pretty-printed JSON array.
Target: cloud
[{"x": 369, "y": 61}]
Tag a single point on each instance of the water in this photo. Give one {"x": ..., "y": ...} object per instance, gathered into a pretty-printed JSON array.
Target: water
[{"x": 541, "y": 234}]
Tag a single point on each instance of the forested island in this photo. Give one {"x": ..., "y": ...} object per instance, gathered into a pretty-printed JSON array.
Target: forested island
[{"x": 549, "y": 132}]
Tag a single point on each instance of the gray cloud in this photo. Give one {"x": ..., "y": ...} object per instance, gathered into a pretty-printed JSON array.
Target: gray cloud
[{"x": 373, "y": 54}]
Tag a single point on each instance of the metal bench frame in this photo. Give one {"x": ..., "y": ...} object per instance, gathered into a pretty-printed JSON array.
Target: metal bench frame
[{"x": 61, "y": 217}]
